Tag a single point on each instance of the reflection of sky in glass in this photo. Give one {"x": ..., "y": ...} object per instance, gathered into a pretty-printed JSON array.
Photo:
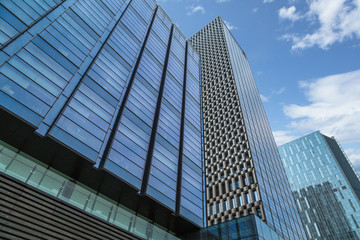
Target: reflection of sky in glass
[{"x": 320, "y": 187}]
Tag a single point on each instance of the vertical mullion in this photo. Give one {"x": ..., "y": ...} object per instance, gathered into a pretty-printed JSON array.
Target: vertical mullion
[
  {"x": 126, "y": 95},
  {"x": 145, "y": 179},
  {"x": 73, "y": 91},
  {"x": 28, "y": 27},
  {"x": 181, "y": 142}
]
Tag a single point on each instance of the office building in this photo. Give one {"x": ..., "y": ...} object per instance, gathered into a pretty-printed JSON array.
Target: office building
[
  {"x": 243, "y": 170},
  {"x": 100, "y": 121},
  {"x": 248, "y": 227},
  {"x": 325, "y": 186},
  {"x": 103, "y": 118}
]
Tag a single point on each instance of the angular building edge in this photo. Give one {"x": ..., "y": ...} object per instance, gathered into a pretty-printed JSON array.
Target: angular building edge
[
  {"x": 327, "y": 186},
  {"x": 240, "y": 149},
  {"x": 21, "y": 131}
]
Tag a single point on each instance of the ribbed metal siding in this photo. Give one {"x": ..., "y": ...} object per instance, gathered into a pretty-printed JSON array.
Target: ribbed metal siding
[{"x": 26, "y": 213}]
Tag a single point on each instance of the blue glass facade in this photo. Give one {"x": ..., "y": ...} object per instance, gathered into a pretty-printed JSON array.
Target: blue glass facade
[
  {"x": 192, "y": 185},
  {"x": 129, "y": 149},
  {"x": 163, "y": 172},
  {"x": 38, "y": 175},
  {"x": 324, "y": 185},
  {"x": 243, "y": 171},
  {"x": 249, "y": 227},
  {"x": 281, "y": 214},
  {"x": 114, "y": 81}
]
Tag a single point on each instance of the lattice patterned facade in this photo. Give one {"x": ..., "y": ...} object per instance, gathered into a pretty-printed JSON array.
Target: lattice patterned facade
[
  {"x": 231, "y": 185},
  {"x": 243, "y": 170}
]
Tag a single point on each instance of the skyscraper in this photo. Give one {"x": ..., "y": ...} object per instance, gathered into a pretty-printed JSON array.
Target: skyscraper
[
  {"x": 103, "y": 121},
  {"x": 243, "y": 170},
  {"x": 325, "y": 186},
  {"x": 100, "y": 109}
]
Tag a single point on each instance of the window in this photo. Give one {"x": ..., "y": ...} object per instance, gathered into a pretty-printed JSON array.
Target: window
[
  {"x": 258, "y": 212},
  {"x": 218, "y": 208},
  {"x": 231, "y": 186},
  {"x": 255, "y": 196},
  {"x": 237, "y": 184},
  {"x": 232, "y": 203},
  {"x": 225, "y": 206},
  {"x": 247, "y": 197},
  {"x": 240, "y": 203},
  {"x": 245, "y": 181},
  {"x": 211, "y": 192},
  {"x": 223, "y": 189},
  {"x": 251, "y": 179}
]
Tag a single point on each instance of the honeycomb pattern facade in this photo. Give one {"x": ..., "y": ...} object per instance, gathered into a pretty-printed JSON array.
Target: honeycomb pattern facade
[{"x": 231, "y": 184}]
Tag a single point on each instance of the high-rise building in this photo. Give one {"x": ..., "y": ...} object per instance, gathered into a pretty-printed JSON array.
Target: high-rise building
[
  {"x": 325, "y": 186},
  {"x": 243, "y": 170},
  {"x": 103, "y": 120},
  {"x": 100, "y": 120}
]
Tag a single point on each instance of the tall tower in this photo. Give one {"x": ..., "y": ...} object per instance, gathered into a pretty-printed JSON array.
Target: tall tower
[
  {"x": 104, "y": 98},
  {"x": 243, "y": 170},
  {"x": 325, "y": 186}
]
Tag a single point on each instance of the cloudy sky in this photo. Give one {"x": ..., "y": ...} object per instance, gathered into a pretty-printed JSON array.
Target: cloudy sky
[{"x": 305, "y": 57}]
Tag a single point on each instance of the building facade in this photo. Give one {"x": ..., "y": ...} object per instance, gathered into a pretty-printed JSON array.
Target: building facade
[
  {"x": 107, "y": 95},
  {"x": 325, "y": 187},
  {"x": 248, "y": 227},
  {"x": 243, "y": 169}
]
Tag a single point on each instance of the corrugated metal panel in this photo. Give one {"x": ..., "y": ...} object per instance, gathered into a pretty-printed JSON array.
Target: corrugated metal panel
[{"x": 26, "y": 213}]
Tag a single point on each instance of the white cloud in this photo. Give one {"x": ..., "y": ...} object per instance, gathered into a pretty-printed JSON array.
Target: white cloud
[
  {"x": 230, "y": 26},
  {"x": 337, "y": 20},
  {"x": 268, "y": 1},
  {"x": 255, "y": 10},
  {"x": 354, "y": 157},
  {"x": 196, "y": 8},
  {"x": 273, "y": 93},
  {"x": 334, "y": 107},
  {"x": 263, "y": 98},
  {"x": 279, "y": 91},
  {"x": 222, "y": 1},
  {"x": 282, "y": 137},
  {"x": 289, "y": 13}
]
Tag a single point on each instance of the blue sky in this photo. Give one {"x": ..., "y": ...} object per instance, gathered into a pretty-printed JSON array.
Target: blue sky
[{"x": 305, "y": 57}]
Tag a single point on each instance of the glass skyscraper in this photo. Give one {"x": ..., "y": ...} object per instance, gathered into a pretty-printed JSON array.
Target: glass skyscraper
[
  {"x": 325, "y": 186},
  {"x": 106, "y": 93},
  {"x": 243, "y": 170},
  {"x": 114, "y": 126}
]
